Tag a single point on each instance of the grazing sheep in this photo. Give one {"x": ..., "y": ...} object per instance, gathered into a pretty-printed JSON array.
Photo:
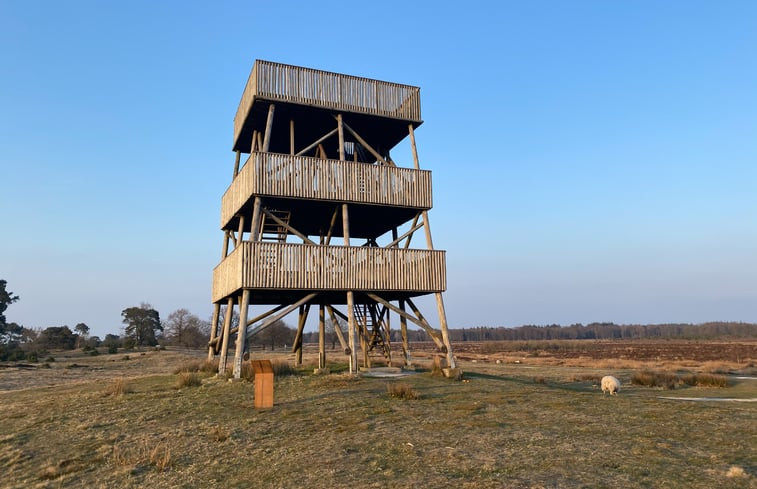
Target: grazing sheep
[{"x": 610, "y": 384}]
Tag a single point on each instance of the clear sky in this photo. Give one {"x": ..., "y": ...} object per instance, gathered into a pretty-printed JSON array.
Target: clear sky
[{"x": 592, "y": 160}]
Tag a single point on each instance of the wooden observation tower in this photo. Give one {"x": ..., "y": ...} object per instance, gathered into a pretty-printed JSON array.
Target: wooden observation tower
[{"x": 319, "y": 215}]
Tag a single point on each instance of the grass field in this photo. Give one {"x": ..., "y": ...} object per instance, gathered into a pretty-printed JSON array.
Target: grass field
[{"x": 118, "y": 421}]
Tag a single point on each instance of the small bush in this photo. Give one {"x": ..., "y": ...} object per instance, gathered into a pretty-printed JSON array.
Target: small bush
[
  {"x": 125, "y": 357},
  {"x": 93, "y": 352},
  {"x": 142, "y": 454},
  {"x": 402, "y": 391},
  {"x": 49, "y": 359},
  {"x": 188, "y": 379},
  {"x": 112, "y": 349},
  {"x": 705, "y": 380},
  {"x": 119, "y": 387},
  {"x": 32, "y": 357},
  {"x": 649, "y": 378}
]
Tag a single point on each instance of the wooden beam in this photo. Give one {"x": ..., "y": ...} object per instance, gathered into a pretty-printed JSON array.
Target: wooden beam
[
  {"x": 420, "y": 321},
  {"x": 403, "y": 332},
  {"x": 331, "y": 225},
  {"x": 241, "y": 230},
  {"x": 236, "y": 164},
  {"x": 432, "y": 331},
  {"x": 291, "y": 137},
  {"x": 281, "y": 314},
  {"x": 255, "y": 223},
  {"x": 239, "y": 348},
  {"x": 297, "y": 346},
  {"x": 340, "y": 128},
  {"x": 213, "y": 331},
  {"x": 415, "y": 221},
  {"x": 350, "y": 296},
  {"x": 406, "y": 235},
  {"x": 225, "y": 336},
  {"x": 321, "y": 337},
  {"x": 225, "y": 250},
  {"x": 445, "y": 332},
  {"x": 367, "y": 146},
  {"x": 288, "y": 227},
  {"x": 268, "y": 127},
  {"x": 337, "y": 329},
  {"x": 317, "y": 142},
  {"x": 414, "y": 148}
]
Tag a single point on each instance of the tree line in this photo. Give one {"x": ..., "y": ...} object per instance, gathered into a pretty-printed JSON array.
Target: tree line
[{"x": 142, "y": 326}]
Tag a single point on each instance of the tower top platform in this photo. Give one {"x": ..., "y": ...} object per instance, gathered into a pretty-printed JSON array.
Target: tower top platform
[{"x": 314, "y": 96}]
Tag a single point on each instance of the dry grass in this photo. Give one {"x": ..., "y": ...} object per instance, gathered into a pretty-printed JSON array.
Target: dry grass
[
  {"x": 501, "y": 428},
  {"x": 402, "y": 391},
  {"x": 188, "y": 379},
  {"x": 119, "y": 387},
  {"x": 669, "y": 380},
  {"x": 142, "y": 453}
]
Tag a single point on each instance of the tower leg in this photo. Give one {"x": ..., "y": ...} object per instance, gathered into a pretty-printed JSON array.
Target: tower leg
[
  {"x": 403, "y": 331},
  {"x": 214, "y": 331},
  {"x": 351, "y": 331},
  {"x": 225, "y": 338},
  {"x": 321, "y": 337},
  {"x": 445, "y": 331},
  {"x": 241, "y": 333}
]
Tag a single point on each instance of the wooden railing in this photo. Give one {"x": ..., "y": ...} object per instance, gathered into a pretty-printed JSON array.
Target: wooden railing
[
  {"x": 304, "y": 177},
  {"x": 284, "y": 266},
  {"x": 294, "y": 84}
]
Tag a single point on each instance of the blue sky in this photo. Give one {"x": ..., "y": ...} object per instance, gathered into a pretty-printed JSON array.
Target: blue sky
[{"x": 592, "y": 160}]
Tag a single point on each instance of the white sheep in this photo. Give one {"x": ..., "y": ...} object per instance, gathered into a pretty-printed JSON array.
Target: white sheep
[{"x": 610, "y": 384}]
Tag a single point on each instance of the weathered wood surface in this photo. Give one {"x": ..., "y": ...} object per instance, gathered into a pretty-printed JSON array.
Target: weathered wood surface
[
  {"x": 312, "y": 267},
  {"x": 344, "y": 93},
  {"x": 304, "y": 177}
]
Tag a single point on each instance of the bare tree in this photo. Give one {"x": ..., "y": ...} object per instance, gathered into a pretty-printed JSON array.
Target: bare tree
[{"x": 186, "y": 329}]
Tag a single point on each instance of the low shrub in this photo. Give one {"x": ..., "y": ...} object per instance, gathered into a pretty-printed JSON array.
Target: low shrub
[
  {"x": 650, "y": 378},
  {"x": 188, "y": 379},
  {"x": 705, "y": 380},
  {"x": 402, "y": 391},
  {"x": 119, "y": 387}
]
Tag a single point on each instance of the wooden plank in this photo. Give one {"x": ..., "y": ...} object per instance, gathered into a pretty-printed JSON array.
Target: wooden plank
[{"x": 225, "y": 336}]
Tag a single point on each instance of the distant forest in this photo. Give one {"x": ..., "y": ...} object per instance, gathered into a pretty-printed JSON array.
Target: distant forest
[{"x": 593, "y": 331}]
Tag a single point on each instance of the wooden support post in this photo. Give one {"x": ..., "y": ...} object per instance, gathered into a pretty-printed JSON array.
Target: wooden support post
[
  {"x": 367, "y": 146},
  {"x": 420, "y": 320},
  {"x": 254, "y": 145},
  {"x": 403, "y": 332},
  {"x": 240, "y": 232},
  {"x": 340, "y": 128},
  {"x": 297, "y": 346},
  {"x": 350, "y": 296},
  {"x": 388, "y": 333},
  {"x": 241, "y": 333},
  {"x": 317, "y": 142},
  {"x": 255, "y": 223},
  {"x": 445, "y": 332},
  {"x": 427, "y": 228},
  {"x": 291, "y": 137},
  {"x": 286, "y": 310},
  {"x": 337, "y": 329},
  {"x": 225, "y": 338},
  {"x": 225, "y": 250},
  {"x": 213, "y": 331},
  {"x": 414, "y": 148},
  {"x": 321, "y": 337},
  {"x": 268, "y": 126},
  {"x": 289, "y": 228},
  {"x": 236, "y": 164}
]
